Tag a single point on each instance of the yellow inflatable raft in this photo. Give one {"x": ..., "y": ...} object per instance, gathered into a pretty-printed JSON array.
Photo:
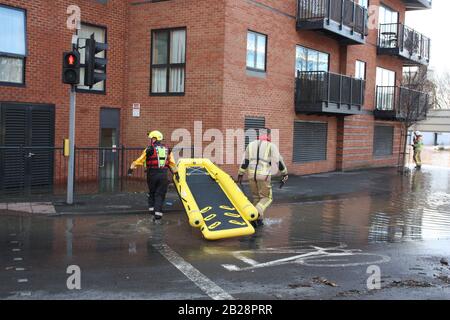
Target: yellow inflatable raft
[{"x": 213, "y": 201}]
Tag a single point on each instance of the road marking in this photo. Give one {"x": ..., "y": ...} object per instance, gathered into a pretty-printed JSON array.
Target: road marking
[
  {"x": 200, "y": 280},
  {"x": 14, "y": 242},
  {"x": 15, "y": 250},
  {"x": 22, "y": 280},
  {"x": 20, "y": 269},
  {"x": 18, "y": 259}
]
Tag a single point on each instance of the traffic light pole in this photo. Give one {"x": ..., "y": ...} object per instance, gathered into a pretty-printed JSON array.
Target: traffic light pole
[{"x": 71, "y": 173}]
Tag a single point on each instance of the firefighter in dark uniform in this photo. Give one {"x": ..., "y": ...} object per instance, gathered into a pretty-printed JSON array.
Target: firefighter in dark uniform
[{"x": 158, "y": 159}]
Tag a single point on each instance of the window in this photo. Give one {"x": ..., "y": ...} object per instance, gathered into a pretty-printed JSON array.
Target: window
[
  {"x": 385, "y": 77},
  {"x": 168, "y": 61},
  {"x": 385, "y": 82},
  {"x": 256, "y": 51},
  {"x": 310, "y": 141},
  {"x": 387, "y": 16},
  {"x": 383, "y": 141},
  {"x": 12, "y": 45},
  {"x": 100, "y": 36},
  {"x": 360, "y": 70},
  {"x": 311, "y": 60}
]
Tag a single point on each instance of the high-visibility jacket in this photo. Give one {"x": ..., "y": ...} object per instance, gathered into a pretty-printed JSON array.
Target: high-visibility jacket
[
  {"x": 262, "y": 159},
  {"x": 418, "y": 144},
  {"x": 156, "y": 156}
]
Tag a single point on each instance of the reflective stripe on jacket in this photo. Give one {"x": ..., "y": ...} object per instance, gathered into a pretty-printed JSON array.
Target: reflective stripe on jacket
[{"x": 262, "y": 159}]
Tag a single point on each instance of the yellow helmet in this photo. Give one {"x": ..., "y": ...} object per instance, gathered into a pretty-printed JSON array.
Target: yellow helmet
[{"x": 156, "y": 134}]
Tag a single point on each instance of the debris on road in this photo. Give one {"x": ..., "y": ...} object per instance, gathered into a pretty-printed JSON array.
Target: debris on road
[
  {"x": 324, "y": 281},
  {"x": 411, "y": 283}
]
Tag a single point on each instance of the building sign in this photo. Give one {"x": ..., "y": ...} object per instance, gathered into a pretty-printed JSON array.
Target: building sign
[{"x": 136, "y": 110}]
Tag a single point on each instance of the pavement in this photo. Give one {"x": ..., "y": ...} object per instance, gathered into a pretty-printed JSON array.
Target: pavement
[{"x": 369, "y": 234}]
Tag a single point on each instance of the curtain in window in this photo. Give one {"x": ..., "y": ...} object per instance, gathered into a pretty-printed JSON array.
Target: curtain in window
[
  {"x": 12, "y": 31},
  {"x": 178, "y": 46},
  {"x": 251, "y": 49},
  {"x": 261, "y": 52},
  {"x": 159, "y": 79},
  {"x": 176, "y": 80},
  {"x": 11, "y": 70}
]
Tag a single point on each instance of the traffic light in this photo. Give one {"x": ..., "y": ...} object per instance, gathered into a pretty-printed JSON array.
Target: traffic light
[
  {"x": 71, "y": 67},
  {"x": 93, "y": 63}
]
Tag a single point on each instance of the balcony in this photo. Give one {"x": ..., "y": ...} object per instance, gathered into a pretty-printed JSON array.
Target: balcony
[
  {"x": 341, "y": 19},
  {"x": 320, "y": 92},
  {"x": 401, "y": 104},
  {"x": 417, "y": 4},
  {"x": 396, "y": 39}
]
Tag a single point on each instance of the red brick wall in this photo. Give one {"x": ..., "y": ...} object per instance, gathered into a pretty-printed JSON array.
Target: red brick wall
[
  {"x": 48, "y": 37},
  {"x": 218, "y": 89},
  {"x": 204, "y": 21}
]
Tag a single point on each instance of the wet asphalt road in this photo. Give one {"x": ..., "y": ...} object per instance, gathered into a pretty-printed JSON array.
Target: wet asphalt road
[{"x": 318, "y": 249}]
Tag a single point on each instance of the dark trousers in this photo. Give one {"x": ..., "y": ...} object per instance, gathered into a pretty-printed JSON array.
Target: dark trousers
[{"x": 157, "y": 188}]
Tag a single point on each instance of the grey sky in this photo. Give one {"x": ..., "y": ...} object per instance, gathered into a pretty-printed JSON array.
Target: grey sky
[{"x": 434, "y": 24}]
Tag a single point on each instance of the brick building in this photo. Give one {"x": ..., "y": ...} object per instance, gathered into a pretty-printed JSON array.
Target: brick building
[{"x": 326, "y": 73}]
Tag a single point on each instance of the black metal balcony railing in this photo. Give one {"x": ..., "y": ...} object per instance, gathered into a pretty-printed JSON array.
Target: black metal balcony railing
[
  {"x": 398, "y": 39},
  {"x": 400, "y": 103},
  {"x": 344, "y": 12},
  {"x": 326, "y": 92}
]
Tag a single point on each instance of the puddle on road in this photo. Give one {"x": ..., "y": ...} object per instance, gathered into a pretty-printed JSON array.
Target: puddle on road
[{"x": 412, "y": 208}]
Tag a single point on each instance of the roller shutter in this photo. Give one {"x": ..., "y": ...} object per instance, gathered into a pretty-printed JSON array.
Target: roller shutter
[
  {"x": 310, "y": 141},
  {"x": 383, "y": 141}
]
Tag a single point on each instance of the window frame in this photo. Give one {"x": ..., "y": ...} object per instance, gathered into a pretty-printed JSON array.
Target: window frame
[
  {"x": 387, "y": 8},
  {"x": 256, "y": 55},
  {"x": 365, "y": 69},
  {"x": 168, "y": 65},
  {"x": 318, "y": 51},
  {"x": 83, "y": 90},
  {"x": 16, "y": 56}
]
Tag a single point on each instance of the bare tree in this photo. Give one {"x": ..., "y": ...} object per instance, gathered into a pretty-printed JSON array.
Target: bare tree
[
  {"x": 416, "y": 97},
  {"x": 442, "y": 94}
]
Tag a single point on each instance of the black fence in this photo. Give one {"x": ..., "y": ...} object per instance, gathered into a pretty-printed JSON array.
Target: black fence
[
  {"x": 320, "y": 86},
  {"x": 405, "y": 103},
  {"x": 399, "y": 36},
  {"x": 26, "y": 171},
  {"x": 344, "y": 12}
]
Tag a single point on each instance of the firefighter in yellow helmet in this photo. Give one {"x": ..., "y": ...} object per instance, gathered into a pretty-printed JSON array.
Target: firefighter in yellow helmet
[
  {"x": 261, "y": 159},
  {"x": 158, "y": 159}
]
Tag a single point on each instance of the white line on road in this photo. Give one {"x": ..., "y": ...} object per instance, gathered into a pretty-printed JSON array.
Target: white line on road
[
  {"x": 18, "y": 259},
  {"x": 20, "y": 269},
  {"x": 22, "y": 280},
  {"x": 200, "y": 280},
  {"x": 16, "y": 250}
]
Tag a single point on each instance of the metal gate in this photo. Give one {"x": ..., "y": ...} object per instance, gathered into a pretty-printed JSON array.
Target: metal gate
[{"x": 26, "y": 139}]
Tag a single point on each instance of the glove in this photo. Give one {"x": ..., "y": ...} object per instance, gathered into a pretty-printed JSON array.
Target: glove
[
  {"x": 130, "y": 172},
  {"x": 240, "y": 178},
  {"x": 283, "y": 180}
]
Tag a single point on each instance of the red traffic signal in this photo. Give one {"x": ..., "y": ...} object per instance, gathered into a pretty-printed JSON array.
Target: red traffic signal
[
  {"x": 71, "y": 59},
  {"x": 71, "y": 68}
]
